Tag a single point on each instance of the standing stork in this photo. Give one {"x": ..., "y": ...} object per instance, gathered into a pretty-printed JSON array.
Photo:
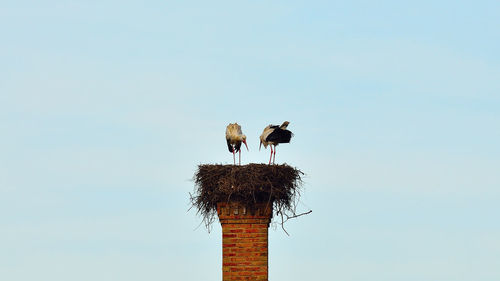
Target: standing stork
[
  {"x": 274, "y": 135},
  {"x": 234, "y": 138}
]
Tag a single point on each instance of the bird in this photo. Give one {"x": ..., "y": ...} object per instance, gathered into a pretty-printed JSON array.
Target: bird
[
  {"x": 234, "y": 138},
  {"x": 274, "y": 135}
]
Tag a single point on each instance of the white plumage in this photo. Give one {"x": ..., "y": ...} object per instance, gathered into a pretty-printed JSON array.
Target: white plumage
[
  {"x": 264, "y": 135},
  {"x": 234, "y": 138},
  {"x": 274, "y": 135}
]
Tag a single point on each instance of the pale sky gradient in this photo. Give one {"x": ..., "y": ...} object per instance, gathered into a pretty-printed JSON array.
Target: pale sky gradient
[{"x": 107, "y": 108}]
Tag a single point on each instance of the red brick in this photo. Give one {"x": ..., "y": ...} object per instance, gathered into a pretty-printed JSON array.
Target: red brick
[{"x": 245, "y": 242}]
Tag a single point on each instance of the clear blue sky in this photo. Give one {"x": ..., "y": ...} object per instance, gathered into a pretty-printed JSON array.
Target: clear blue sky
[{"x": 107, "y": 108}]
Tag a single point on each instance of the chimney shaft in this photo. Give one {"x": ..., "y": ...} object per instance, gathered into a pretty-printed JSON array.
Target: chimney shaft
[{"x": 244, "y": 240}]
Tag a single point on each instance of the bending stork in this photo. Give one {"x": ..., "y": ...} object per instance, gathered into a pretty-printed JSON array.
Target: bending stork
[
  {"x": 274, "y": 135},
  {"x": 234, "y": 138}
]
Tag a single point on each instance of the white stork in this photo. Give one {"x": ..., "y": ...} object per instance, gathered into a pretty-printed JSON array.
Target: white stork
[
  {"x": 234, "y": 138},
  {"x": 274, "y": 135}
]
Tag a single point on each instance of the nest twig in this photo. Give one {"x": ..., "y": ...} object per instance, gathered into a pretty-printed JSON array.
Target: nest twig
[{"x": 249, "y": 184}]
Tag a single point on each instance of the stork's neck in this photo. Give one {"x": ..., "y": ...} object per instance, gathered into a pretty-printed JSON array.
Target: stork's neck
[{"x": 284, "y": 125}]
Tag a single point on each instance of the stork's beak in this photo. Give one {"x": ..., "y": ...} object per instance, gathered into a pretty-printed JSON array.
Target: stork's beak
[{"x": 245, "y": 142}]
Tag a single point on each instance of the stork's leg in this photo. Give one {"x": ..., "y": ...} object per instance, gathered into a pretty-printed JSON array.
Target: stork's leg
[
  {"x": 239, "y": 157},
  {"x": 234, "y": 157},
  {"x": 270, "y": 156},
  {"x": 274, "y": 155}
]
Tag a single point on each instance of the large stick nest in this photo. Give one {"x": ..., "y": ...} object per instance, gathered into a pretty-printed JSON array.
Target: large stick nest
[{"x": 249, "y": 184}]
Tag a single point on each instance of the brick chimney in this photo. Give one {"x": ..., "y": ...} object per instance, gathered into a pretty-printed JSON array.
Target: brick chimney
[{"x": 244, "y": 240}]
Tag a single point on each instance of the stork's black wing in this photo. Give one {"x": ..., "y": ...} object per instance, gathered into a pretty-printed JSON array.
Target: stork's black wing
[
  {"x": 237, "y": 146},
  {"x": 229, "y": 146},
  {"x": 279, "y": 136}
]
